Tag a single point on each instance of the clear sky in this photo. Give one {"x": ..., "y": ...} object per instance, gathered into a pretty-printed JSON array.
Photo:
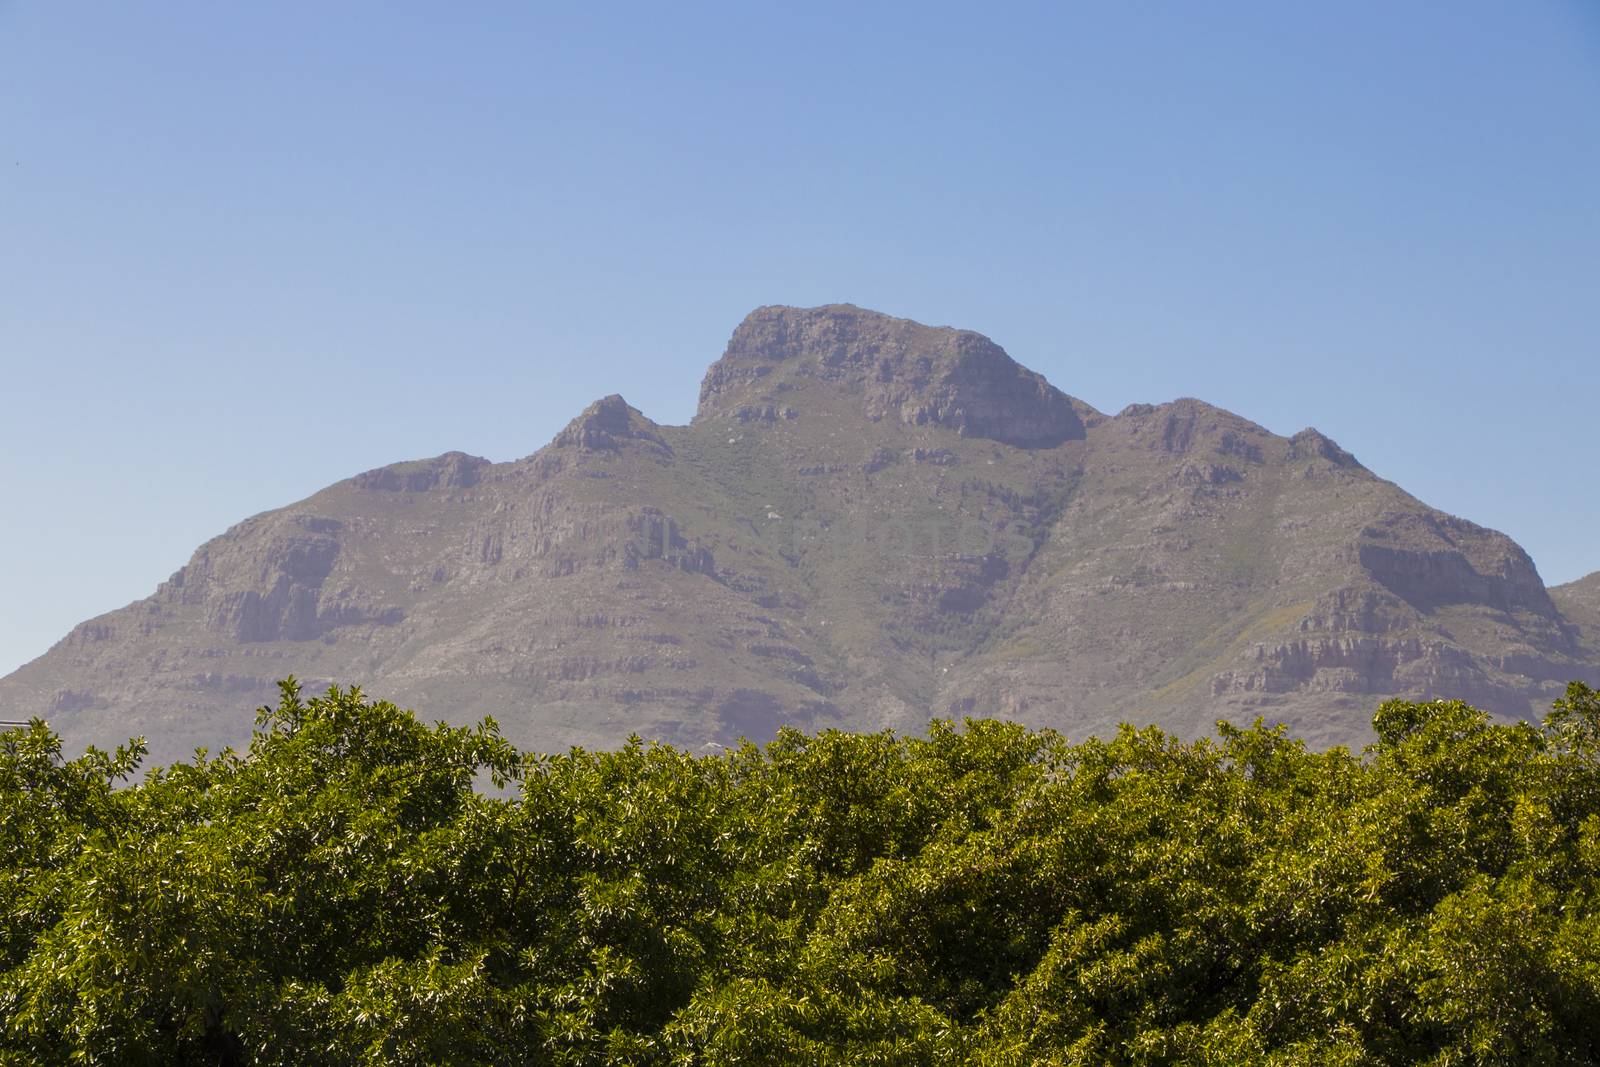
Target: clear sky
[{"x": 249, "y": 249}]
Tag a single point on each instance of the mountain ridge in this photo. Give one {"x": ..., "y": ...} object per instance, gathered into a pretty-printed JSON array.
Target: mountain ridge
[{"x": 868, "y": 523}]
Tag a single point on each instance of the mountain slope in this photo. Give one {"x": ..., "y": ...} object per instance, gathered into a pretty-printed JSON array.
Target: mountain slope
[
  {"x": 868, "y": 523},
  {"x": 1579, "y": 603}
]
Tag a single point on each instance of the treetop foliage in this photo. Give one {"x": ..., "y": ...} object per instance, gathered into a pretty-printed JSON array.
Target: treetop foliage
[{"x": 360, "y": 888}]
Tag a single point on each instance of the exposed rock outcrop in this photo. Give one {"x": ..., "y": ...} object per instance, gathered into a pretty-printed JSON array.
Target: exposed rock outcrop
[
  {"x": 905, "y": 371},
  {"x": 606, "y": 424},
  {"x": 1312, "y": 443},
  {"x": 453, "y": 470},
  {"x": 1431, "y": 560}
]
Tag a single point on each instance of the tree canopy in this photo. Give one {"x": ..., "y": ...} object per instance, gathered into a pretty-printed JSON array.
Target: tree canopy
[{"x": 359, "y": 887}]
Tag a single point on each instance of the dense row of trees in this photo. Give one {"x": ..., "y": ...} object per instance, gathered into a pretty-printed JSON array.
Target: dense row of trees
[{"x": 354, "y": 889}]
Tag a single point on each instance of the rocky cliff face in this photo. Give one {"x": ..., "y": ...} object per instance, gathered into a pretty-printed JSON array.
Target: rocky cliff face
[
  {"x": 869, "y": 523},
  {"x": 902, "y": 370}
]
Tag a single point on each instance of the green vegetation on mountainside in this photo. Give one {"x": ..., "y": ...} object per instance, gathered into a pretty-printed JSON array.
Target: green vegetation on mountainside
[{"x": 340, "y": 893}]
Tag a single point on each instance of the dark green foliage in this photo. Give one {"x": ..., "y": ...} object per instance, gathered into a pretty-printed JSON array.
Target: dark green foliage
[{"x": 361, "y": 888}]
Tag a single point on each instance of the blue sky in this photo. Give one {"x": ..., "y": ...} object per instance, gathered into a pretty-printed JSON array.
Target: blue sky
[{"x": 247, "y": 250}]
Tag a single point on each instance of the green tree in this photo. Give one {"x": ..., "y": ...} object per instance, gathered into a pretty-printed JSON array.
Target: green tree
[{"x": 359, "y": 888}]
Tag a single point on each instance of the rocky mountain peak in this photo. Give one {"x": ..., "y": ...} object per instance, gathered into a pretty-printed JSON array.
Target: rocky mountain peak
[
  {"x": 605, "y": 425},
  {"x": 903, "y": 370},
  {"x": 1311, "y": 443}
]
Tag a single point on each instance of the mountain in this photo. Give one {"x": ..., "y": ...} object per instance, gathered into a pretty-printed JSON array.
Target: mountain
[
  {"x": 1579, "y": 602},
  {"x": 869, "y": 522}
]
